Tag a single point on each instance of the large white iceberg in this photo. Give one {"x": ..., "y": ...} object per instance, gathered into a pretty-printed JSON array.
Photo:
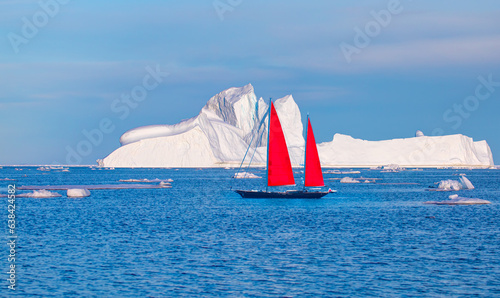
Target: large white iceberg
[
  {"x": 424, "y": 151},
  {"x": 230, "y": 121}
]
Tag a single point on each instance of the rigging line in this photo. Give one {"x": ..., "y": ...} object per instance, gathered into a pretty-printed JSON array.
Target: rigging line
[
  {"x": 268, "y": 143},
  {"x": 305, "y": 151},
  {"x": 250, "y": 144},
  {"x": 259, "y": 142}
]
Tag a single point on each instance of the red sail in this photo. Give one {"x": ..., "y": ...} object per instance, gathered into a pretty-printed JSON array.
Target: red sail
[
  {"x": 279, "y": 168},
  {"x": 314, "y": 176}
]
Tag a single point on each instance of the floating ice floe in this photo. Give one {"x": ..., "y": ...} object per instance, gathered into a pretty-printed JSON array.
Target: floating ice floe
[
  {"x": 93, "y": 186},
  {"x": 245, "y": 175},
  {"x": 392, "y": 168},
  {"x": 147, "y": 180},
  {"x": 340, "y": 172},
  {"x": 53, "y": 168},
  {"x": 456, "y": 200},
  {"x": 349, "y": 180},
  {"x": 77, "y": 193},
  {"x": 39, "y": 194},
  {"x": 448, "y": 185},
  {"x": 454, "y": 185},
  {"x": 7, "y": 179},
  {"x": 164, "y": 184}
]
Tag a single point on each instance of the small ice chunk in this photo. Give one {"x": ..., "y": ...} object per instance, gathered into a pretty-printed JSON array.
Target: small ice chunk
[
  {"x": 332, "y": 172},
  {"x": 449, "y": 185},
  {"x": 245, "y": 175},
  {"x": 466, "y": 183},
  {"x": 77, "y": 193},
  {"x": 41, "y": 194},
  {"x": 392, "y": 167},
  {"x": 349, "y": 180},
  {"x": 165, "y": 184},
  {"x": 419, "y": 133},
  {"x": 455, "y": 185}
]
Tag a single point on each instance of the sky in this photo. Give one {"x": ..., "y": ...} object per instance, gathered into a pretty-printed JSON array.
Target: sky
[{"x": 76, "y": 75}]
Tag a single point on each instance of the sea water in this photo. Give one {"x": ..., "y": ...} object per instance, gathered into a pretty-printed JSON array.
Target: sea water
[{"x": 199, "y": 238}]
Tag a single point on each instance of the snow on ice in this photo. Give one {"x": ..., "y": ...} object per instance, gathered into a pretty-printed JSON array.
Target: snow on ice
[{"x": 220, "y": 134}]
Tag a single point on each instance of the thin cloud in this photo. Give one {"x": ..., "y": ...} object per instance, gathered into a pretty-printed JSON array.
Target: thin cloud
[{"x": 430, "y": 54}]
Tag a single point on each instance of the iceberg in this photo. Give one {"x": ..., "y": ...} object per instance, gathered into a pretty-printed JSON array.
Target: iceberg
[
  {"x": 454, "y": 185},
  {"x": 231, "y": 121},
  {"x": 423, "y": 151},
  {"x": 77, "y": 193},
  {"x": 448, "y": 185},
  {"x": 466, "y": 184}
]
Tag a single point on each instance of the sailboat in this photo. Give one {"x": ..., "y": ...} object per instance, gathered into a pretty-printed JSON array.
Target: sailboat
[{"x": 279, "y": 167}]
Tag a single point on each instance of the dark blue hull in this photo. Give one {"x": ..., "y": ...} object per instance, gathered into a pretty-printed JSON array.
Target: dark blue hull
[{"x": 295, "y": 194}]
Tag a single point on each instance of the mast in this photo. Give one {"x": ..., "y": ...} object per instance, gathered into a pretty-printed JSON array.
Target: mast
[
  {"x": 305, "y": 152},
  {"x": 268, "y": 137}
]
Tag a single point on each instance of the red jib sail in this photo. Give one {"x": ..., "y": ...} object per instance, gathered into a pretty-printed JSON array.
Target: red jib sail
[
  {"x": 313, "y": 175},
  {"x": 279, "y": 168}
]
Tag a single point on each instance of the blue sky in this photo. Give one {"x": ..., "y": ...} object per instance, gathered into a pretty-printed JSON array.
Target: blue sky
[{"x": 417, "y": 66}]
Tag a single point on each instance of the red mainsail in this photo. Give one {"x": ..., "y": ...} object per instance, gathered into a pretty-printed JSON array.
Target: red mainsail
[
  {"x": 279, "y": 168},
  {"x": 313, "y": 173}
]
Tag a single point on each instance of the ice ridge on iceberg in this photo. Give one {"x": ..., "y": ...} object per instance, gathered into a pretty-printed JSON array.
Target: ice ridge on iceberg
[{"x": 228, "y": 124}]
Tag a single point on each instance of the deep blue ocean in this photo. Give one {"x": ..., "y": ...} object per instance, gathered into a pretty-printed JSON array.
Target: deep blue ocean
[{"x": 200, "y": 239}]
